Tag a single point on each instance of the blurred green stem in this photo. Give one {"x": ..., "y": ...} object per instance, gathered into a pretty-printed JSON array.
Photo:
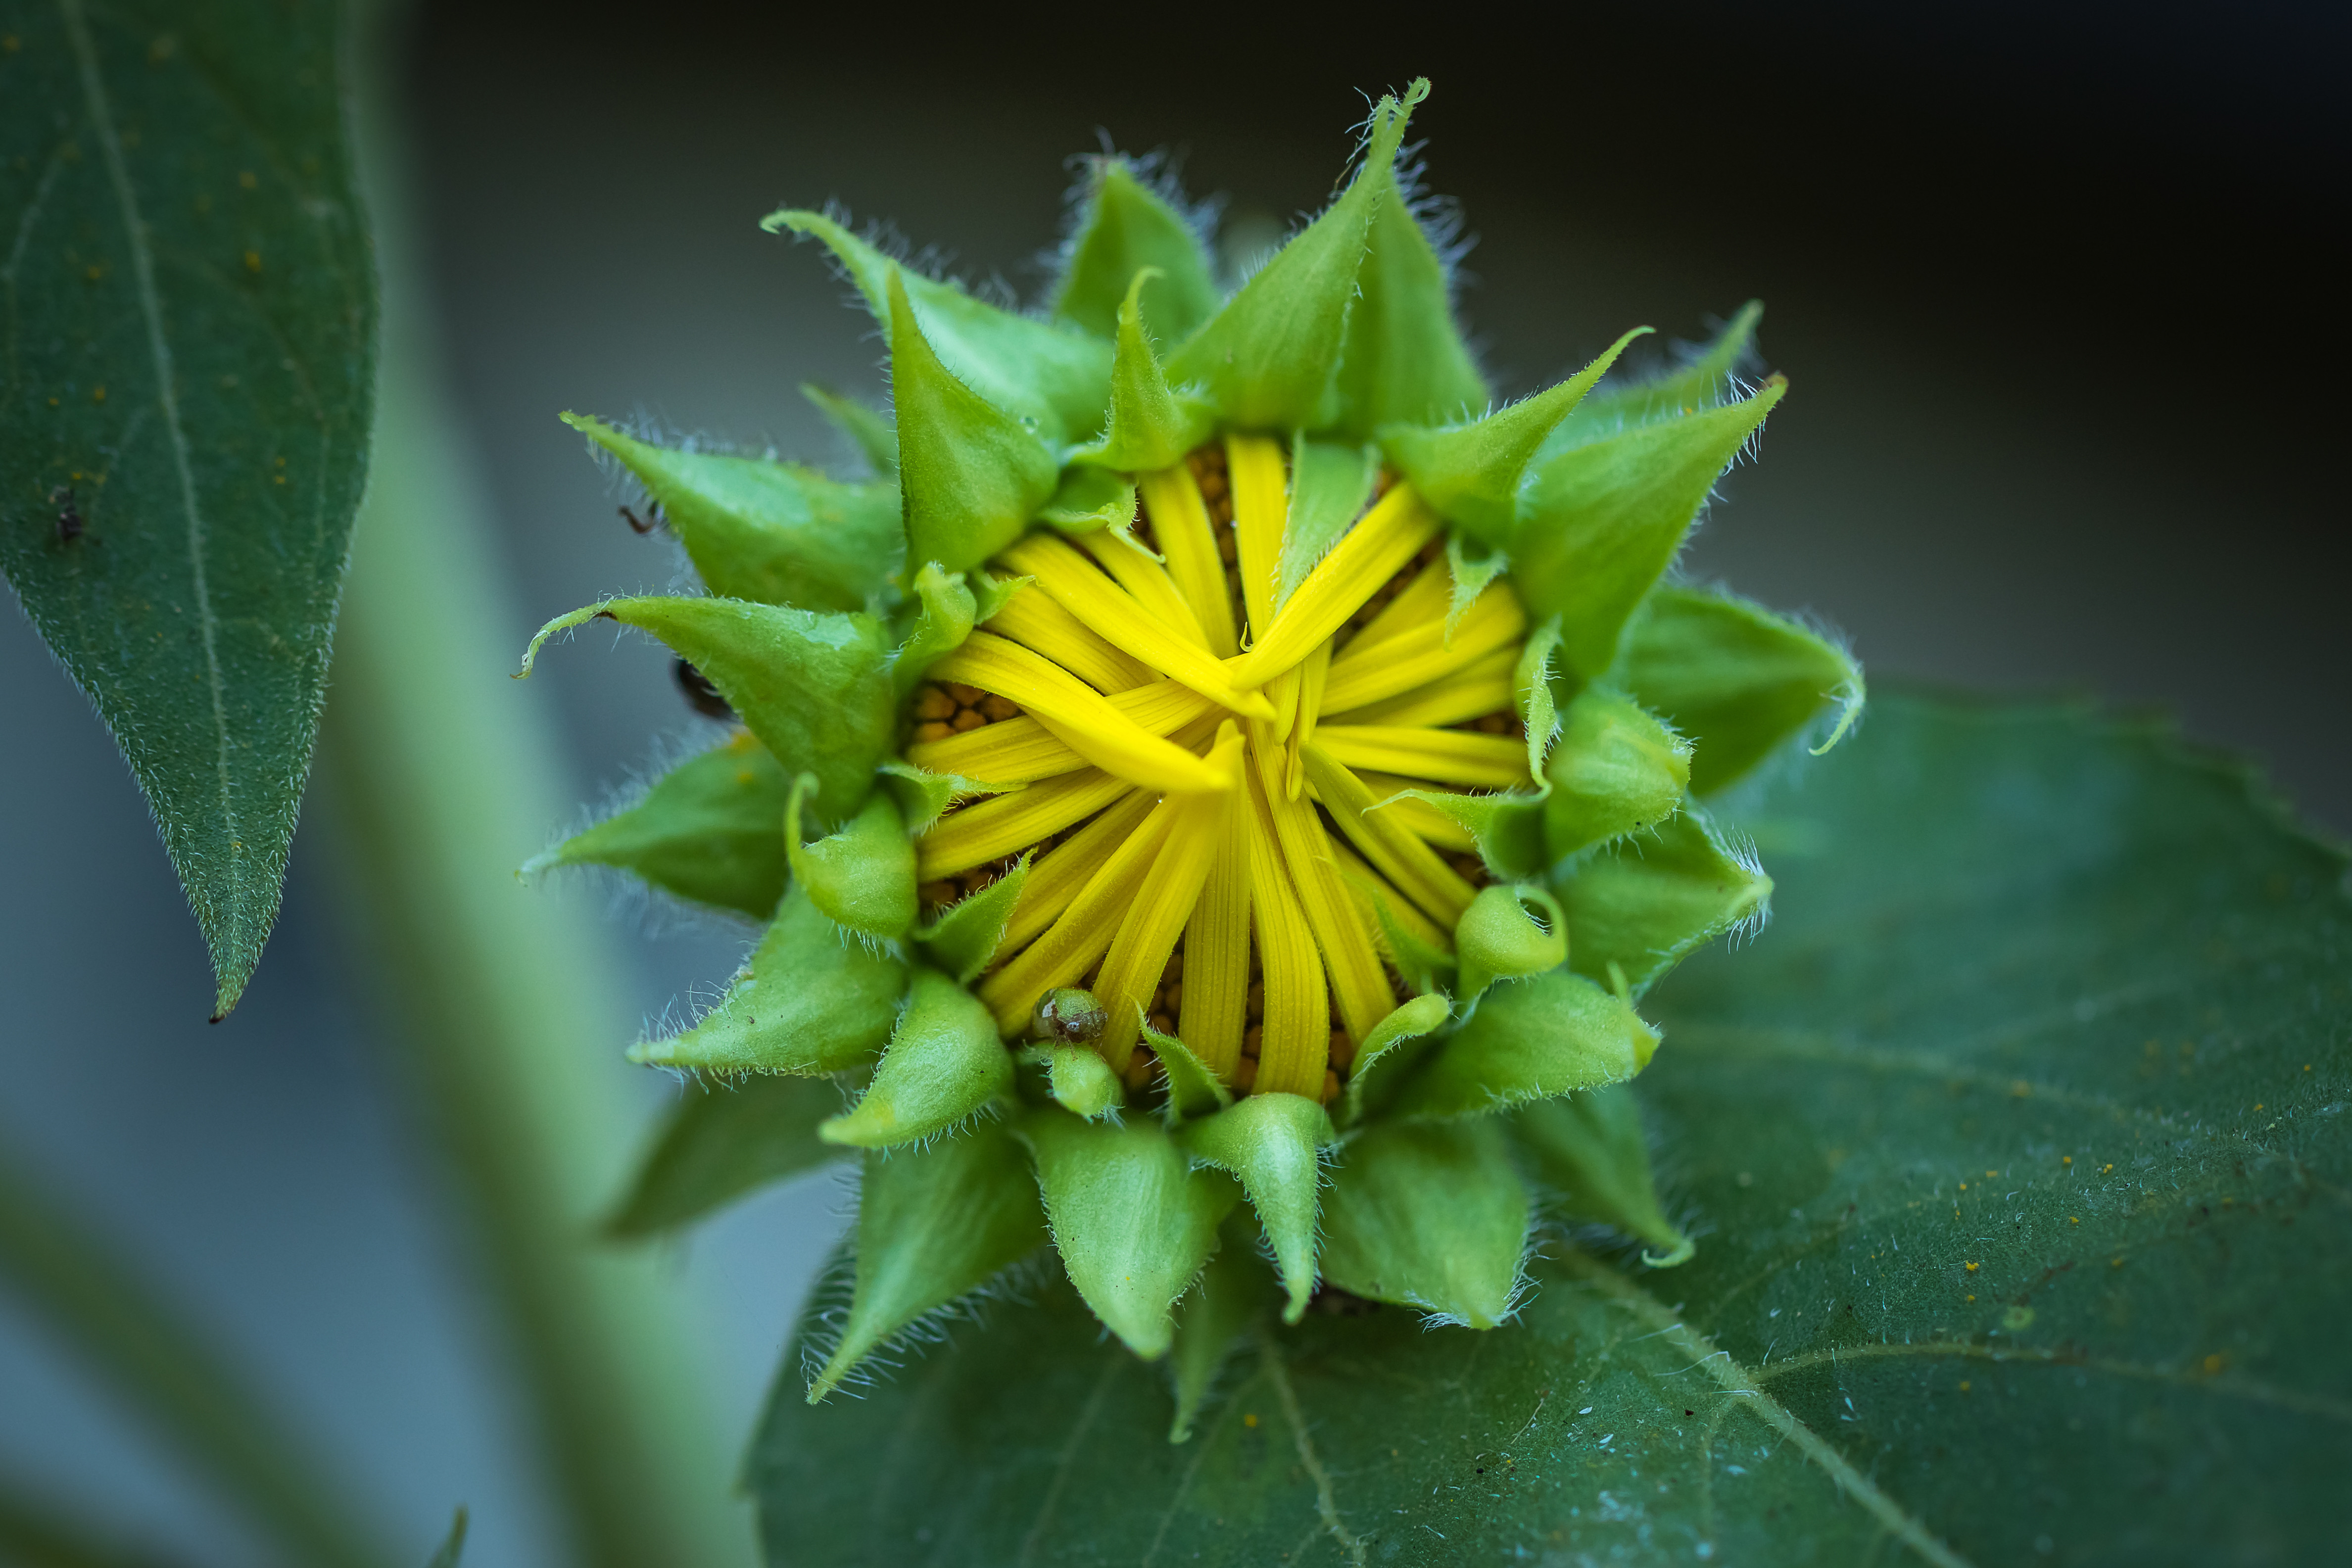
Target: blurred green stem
[
  {"x": 168, "y": 1375},
  {"x": 442, "y": 780}
]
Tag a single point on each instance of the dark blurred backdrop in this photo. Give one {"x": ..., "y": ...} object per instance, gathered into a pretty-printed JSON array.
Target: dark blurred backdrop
[{"x": 2057, "y": 289}]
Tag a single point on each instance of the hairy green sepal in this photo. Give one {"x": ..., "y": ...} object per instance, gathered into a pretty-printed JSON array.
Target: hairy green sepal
[
  {"x": 1428, "y": 1215},
  {"x": 1589, "y": 1151},
  {"x": 1273, "y": 1143},
  {"x": 709, "y": 830},
  {"x": 722, "y": 1141},
  {"x": 1644, "y": 904},
  {"x": 1553, "y": 1033},
  {"x": 944, "y": 1063},
  {"x": 862, "y": 875}
]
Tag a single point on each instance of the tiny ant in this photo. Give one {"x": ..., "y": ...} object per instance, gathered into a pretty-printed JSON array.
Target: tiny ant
[
  {"x": 701, "y": 692},
  {"x": 68, "y": 518},
  {"x": 651, "y": 522}
]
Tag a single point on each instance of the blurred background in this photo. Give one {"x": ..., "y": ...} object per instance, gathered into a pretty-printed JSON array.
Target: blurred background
[{"x": 2058, "y": 289}]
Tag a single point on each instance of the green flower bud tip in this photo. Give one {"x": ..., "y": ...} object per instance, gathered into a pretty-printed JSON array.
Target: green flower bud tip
[{"x": 1228, "y": 788}]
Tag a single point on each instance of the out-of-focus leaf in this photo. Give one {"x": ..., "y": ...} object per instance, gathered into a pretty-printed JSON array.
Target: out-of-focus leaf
[
  {"x": 186, "y": 393},
  {"x": 724, "y": 1140},
  {"x": 2023, "y": 942},
  {"x": 869, "y": 430},
  {"x": 1128, "y": 228},
  {"x": 711, "y": 829},
  {"x": 1588, "y": 1152}
]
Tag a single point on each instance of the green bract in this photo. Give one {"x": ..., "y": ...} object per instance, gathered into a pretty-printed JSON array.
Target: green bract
[{"x": 1222, "y": 788}]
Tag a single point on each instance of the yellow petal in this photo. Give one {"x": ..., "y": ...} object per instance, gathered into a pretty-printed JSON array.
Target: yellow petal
[
  {"x": 989, "y": 830},
  {"x": 1419, "y": 818},
  {"x": 1374, "y": 894},
  {"x": 1217, "y": 952},
  {"x": 1490, "y": 686},
  {"x": 1138, "y": 954},
  {"x": 1311, "y": 676},
  {"x": 1357, "y": 979},
  {"x": 1253, "y": 467},
  {"x": 1082, "y": 589},
  {"x": 1420, "y": 655},
  {"x": 1448, "y": 756},
  {"x": 1294, "y": 1036},
  {"x": 1034, "y": 621},
  {"x": 1126, "y": 559},
  {"x": 1020, "y": 751},
  {"x": 1367, "y": 556},
  {"x": 1181, "y": 520},
  {"x": 1426, "y": 597},
  {"x": 1083, "y": 718},
  {"x": 1385, "y": 840},
  {"x": 1075, "y": 943},
  {"x": 1060, "y": 874}
]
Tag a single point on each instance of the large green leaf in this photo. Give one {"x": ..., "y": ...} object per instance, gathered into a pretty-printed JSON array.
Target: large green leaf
[
  {"x": 2020, "y": 1151},
  {"x": 188, "y": 376}
]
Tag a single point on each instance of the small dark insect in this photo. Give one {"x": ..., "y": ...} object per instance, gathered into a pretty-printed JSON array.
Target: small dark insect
[
  {"x": 69, "y": 516},
  {"x": 701, "y": 692},
  {"x": 652, "y": 521}
]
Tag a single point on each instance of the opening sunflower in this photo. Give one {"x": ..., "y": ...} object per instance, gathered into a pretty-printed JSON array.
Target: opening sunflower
[{"x": 1214, "y": 816}]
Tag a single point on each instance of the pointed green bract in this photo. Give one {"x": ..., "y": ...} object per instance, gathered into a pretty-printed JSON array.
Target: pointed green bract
[
  {"x": 1734, "y": 677},
  {"x": 1428, "y": 1215},
  {"x": 813, "y": 999},
  {"x": 1589, "y": 1150},
  {"x": 1425, "y": 968},
  {"x": 868, "y": 430},
  {"x": 943, "y": 1064},
  {"x": 1384, "y": 1057},
  {"x": 1192, "y": 1089},
  {"x": 1616, "y": 770},
  {"x": 1331, "y": 484},
  {"x": 933, "y": 1225},
  {"x": 924, "y": 796},
  {"x": 1151, "y": 425},
  {"x": 1087, "y": 500},
  {"x": 1646, "y": 904},
  {"x": 774, "y": 532},
  {"x": 1081, "y": 1082},
  {"x": 1131, "y": 1218},
  {"x": 1471, "y": 567},
  {"x": 965, "y": 935},
  {"x": 1033, "y": 372},
  {"x": 711, "y": 830},
  {"x": 1405, "y": 360},
  {"x": 861, "y": 876},
  {"x": 815, "y": 687},
  {"x": 971, "y": 474},
  {"x": 1273, "y": 1143},
  {"x": 1472, "y": 474},
  {"x": 1508, "y": 827},
  {"x": 1601, "y": 522},
  {"x": 1210, "y": 1320},
  {"x": 1126, "y": 229},
  {"x": 1508, "y": 934},
  {"x": 1705, "y": 382},
  {"x": 1267, "y": 359},
  {"x": 1554, "y": 1033},
  {"x": 948, "y": 613},
  {"x": 722, "y": 1141}
]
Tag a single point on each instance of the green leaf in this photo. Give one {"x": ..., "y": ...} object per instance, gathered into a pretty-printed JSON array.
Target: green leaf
[
  {"x": 948, "y": 612},
  {"x": 1640, "y": 906},
  {"x": 1554, "y": 1033},
  {"x": 1600, "y": 522},
  {"x": 452, "y": 1550},
  {"x": 1210, "y": 1321},
  {"x": 1036, "y": 372},
  {"x": 711, "y": 830},
  {"x": 1734, "y": 677},
  {"x": 970, "y": 473},
  {"x": 1428, "y": 1215},
  {"x": 1398, "y": 1041},
  {"x": 861, "y": 876},
  {"x": 2002, "y": 911},
  {"x": 1132, "y": 1220},
  {"x": 814, "y": 689},
  {"x": 1273, "y": 1143},
  {"x": 1589, "y": 1150},
  {"x": 185, "y": 407},
  {"x": 1405, "y": 360},
  {"x": 1080, "y": 1081},
  {"x": 1471, "y": 472},
  {"x": 868, "y": 430},
  {"x": 944, "y": 1063},
  {"x": 965, "y": 935},
  {"x": 1151, "y": 426},
  {"x": 1192, "y": 1089},
  {"x": 1500, "y": 938},
  {"x": 813, "y": 999},
  {"x": 1705, "y": 382},
  {"x": 1088, "y": 499},
  {"x": 773, "y": 532},
  {"x": 1126, "y": 228},
  {"x": 934, "y": 1225},
  {"x": 722, "y": 1141},
  {"x": 1267, "y": 359},
  {"x": 1616, "y": 770},
  {"x": 1331, "y": 484}
]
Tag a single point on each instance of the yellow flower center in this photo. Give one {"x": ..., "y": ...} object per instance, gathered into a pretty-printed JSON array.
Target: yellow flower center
[{"x": 1205, "y": 771}]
